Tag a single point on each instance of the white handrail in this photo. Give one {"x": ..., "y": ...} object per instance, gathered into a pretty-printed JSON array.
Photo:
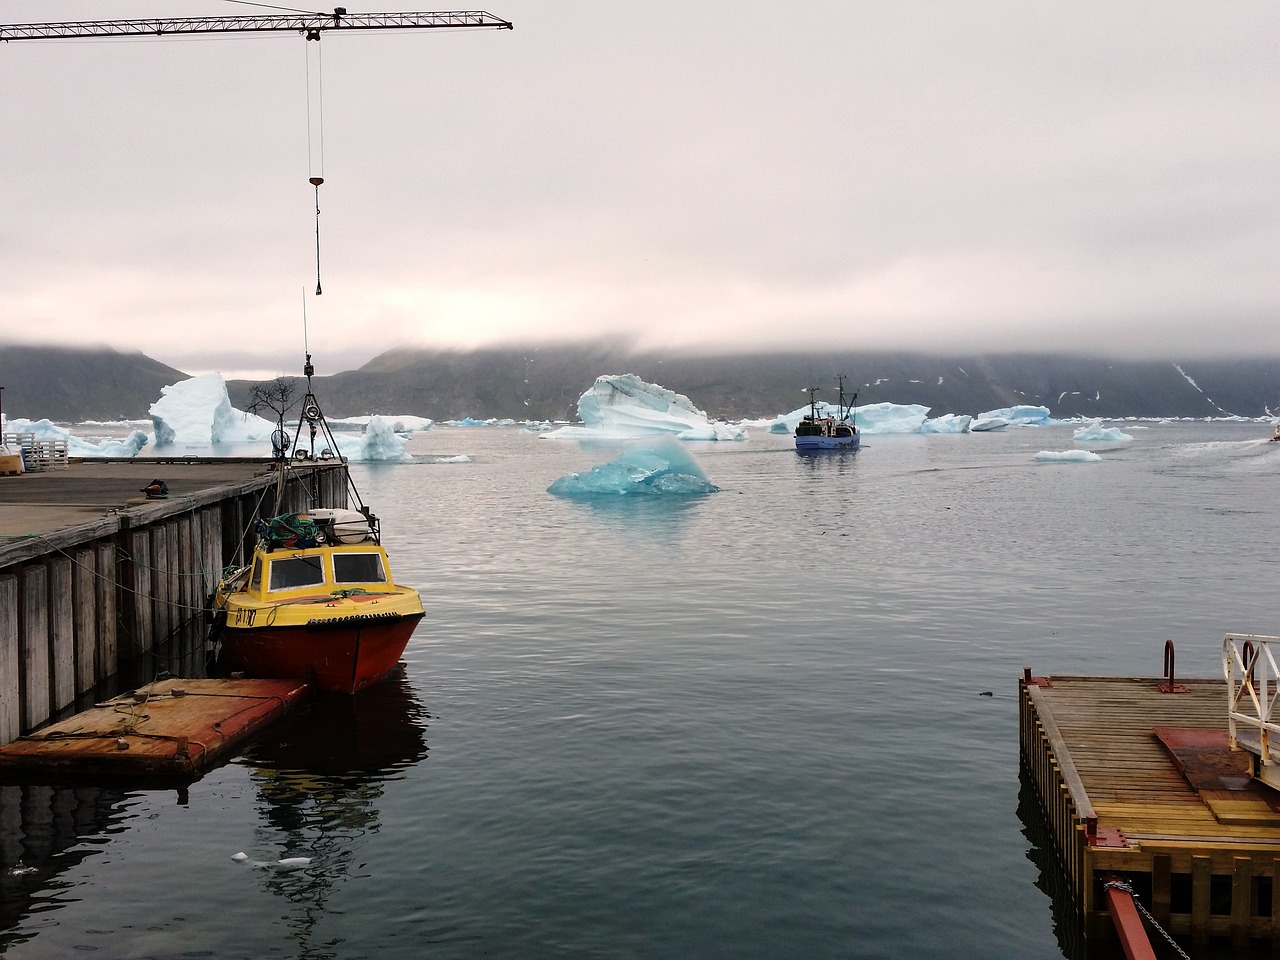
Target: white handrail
[{"x": 1253, "y": 689}]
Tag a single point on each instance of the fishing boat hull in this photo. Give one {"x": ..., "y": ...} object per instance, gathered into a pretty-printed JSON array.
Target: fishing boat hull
[
  {"x": 817, "y": 444},
  {"x": 340, "y": 655}
]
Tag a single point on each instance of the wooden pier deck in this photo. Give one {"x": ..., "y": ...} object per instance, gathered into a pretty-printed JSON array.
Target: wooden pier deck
[
  {"x": 1140, "y": 784},
  {"x": 102, "y": 589}
]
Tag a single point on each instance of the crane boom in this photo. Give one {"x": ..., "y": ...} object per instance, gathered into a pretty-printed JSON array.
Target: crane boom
[{"x": 309, "y": 24}]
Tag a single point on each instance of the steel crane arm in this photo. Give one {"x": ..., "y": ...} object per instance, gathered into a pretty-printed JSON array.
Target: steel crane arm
[{"x": 310, "y": 24}]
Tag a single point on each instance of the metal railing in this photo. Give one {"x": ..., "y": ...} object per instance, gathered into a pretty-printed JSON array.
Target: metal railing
[{"x": 1253, "y": 692}]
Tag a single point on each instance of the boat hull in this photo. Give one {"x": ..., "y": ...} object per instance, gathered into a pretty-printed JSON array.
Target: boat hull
[
  {"x": 815, "y": 444},
  {"x": 343, "y": 656}
]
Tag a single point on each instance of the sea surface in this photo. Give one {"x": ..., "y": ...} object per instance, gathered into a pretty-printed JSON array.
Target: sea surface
[{"x": 777, "y": 721}]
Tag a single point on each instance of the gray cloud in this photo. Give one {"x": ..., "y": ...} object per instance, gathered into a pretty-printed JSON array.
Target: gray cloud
[{"x": 1052, "y": 176}]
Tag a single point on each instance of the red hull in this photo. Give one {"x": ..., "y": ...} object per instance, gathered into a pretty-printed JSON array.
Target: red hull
[{"x": 343, "y": 659}]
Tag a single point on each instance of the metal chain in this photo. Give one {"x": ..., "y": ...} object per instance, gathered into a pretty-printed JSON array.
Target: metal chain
[{"x": 1127, "y": 888}]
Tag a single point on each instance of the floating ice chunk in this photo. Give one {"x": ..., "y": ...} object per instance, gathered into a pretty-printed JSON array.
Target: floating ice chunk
[
  {"x": 1021, "y": 414},
  {"x": 623, "y": 407},
  {"x": 1067, "y": 456},
  {"x": 81, "y": 446},
  {"x": 400, "y": 423},
  {"x": 1096, "y": 431},
  {"x": 648, "y": 467},
  {"x": 460, "y": 458},
  {"x": 240, "y": 856},
  {"x": 199, "y": 411},
  {"x": 381, "y": 443},
  {"x": 985, "y": 422},
  {"x": 947, "y": 423},
  {"x": 294, "y": 863}
]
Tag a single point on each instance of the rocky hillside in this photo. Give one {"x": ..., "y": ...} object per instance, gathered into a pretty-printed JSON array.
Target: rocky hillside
[
  {"x": 73, "y": 385},
  {"x": 545, "y": 383}
]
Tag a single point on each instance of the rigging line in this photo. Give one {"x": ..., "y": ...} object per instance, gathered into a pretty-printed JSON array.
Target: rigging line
[
  {"x": 316, "y": 176},
  {"x": 269, "y": 6}
]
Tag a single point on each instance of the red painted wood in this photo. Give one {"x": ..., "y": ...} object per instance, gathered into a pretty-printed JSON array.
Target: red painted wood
[
  {"x": 1128, "y": 924},
  {"x": 168, "y": 730}
]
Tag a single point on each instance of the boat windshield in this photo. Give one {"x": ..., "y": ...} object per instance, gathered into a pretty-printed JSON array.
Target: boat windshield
[
  {"x": 296, "y": 572},
  {"x": 358, "y": 568}
]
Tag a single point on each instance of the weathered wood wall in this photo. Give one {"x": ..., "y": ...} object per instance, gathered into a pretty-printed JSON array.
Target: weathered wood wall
[{"x": 80, "y": 605}]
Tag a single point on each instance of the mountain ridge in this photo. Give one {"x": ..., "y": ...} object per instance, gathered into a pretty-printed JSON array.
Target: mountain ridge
[{"x": 544, "y": 382}]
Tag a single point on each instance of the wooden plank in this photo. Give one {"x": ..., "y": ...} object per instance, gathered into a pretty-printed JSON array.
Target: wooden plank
[
  {"x": 107, "y": 587},
  {"x": 1275, "y": 905},
  {"x": 62, "y": 638},
  {"x": 168, "y": 731},
  {"x": 1241, "y": 901},
  {"x": 10, "y": 700},
  {"x": 1063, "y": 756},
  {"x": 138, "y": 585},
  {"x": 1161, "y": 887},
  {"x": 84, "y": 600},
  {"x": 33, "y": 631},
  {"x": 157, "y": 581},
  {"x": 1200, "y": 878}
]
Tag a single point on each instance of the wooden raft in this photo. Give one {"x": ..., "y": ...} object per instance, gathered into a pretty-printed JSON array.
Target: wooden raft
[
  {"x": 171, "y": 730},
  {"x": 1141, "y": 783}
]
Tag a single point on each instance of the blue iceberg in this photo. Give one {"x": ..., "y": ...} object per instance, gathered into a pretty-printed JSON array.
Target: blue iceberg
[{"x": 649, "y": 467}]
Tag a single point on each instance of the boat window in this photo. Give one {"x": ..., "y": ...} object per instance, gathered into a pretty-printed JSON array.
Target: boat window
[
  {"x": 296, "y": 572},
  {"x": 255, "y": 579},
  {"x": 358, "y": 568}
]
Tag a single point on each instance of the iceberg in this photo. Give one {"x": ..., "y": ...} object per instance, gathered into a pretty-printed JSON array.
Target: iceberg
[
  {"x": 400, "y": 423},
  {"x": 1020, "y": 415},
  {"x": 985, "y": 422},
  {"x": 947, "y": 423},
  {"x": 79, "y": 446},
  {"x": 873, "y": 418},
  {"x": 380, "y": 443},
  {"x": 1067, "y": 456},
  {"x": 659, "y": 466},
  {"x": 198, "y": 411},
  {"x": 624, "y": 407},
  {"x": 1095, "y": 431}
]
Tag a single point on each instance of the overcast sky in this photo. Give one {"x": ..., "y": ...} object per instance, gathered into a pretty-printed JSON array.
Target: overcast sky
[{"x": 1085, "y": 175}]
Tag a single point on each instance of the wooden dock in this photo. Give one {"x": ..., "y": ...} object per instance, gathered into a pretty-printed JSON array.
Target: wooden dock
[
  {"x": 1140, "y": 784},
  {"x": 168, "y": 732},
  {"x": 102, "y": 589}
]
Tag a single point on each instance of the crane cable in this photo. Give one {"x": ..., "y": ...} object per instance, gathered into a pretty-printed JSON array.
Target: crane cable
[{"x": 316, "y": 178}]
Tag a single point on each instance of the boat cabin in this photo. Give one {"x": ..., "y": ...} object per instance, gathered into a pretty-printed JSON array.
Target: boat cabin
[{"x": 335, "y": 568}]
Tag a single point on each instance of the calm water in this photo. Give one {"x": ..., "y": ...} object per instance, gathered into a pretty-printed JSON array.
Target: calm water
[{"x": 746, "y": 725}]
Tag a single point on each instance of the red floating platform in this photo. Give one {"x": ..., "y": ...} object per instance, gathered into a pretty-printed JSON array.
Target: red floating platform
[{"x": 168, "y": 731}]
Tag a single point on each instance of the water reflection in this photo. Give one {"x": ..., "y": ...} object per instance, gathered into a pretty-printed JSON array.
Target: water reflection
[
  {"x": 1051, "y": 875},
  {"x": 44, "y": 833},
  {"x": 321, "y": 775}
]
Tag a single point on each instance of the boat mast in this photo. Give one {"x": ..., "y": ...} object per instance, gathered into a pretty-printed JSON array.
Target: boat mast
[
  {"x": 844, "y": 412},
  {"x": 813, "y": 403}
]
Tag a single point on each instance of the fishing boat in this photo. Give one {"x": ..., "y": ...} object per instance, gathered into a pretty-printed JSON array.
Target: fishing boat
[
  {"x": 317, "y": 600},
  {"x": 817, "y": 432}
]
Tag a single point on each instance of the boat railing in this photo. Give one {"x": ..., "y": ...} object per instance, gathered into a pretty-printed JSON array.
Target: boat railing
[{"x": 1253, "y": 696}]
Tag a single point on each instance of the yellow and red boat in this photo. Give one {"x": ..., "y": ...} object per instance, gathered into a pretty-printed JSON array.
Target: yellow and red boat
[{"x": 317, "y": 602}]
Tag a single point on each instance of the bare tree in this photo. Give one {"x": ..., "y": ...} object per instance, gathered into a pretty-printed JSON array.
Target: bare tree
[{"x": 278, "y": 396}]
